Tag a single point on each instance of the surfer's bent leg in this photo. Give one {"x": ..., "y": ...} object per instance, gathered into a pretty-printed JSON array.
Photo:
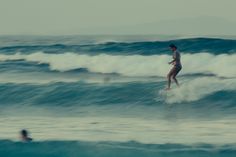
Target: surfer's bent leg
[
  {"x": 170, "y": 74},
  {"x": 175, "y": 73}
]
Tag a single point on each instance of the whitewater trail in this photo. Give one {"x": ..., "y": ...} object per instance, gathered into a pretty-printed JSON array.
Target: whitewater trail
[{"x": 196, "y": 89}]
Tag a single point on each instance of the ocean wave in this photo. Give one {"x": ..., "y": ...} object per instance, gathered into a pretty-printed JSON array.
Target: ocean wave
[
  {"x": 197, "y": 89},
  {"x": 132, "y": 65},
  {"x": 68, "y": 94},
  {"x": 193, "y": 45},
  {"x": 107, "y": 149}
]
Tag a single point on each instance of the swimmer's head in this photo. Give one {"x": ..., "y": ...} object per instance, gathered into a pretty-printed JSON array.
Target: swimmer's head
[
  {"x": 173, "y": 47},
  {"x": 24, "y": 133},
  {"x": 24, "y": 136}
]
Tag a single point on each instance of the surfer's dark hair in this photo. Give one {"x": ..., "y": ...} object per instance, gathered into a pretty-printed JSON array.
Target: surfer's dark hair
[
  {"x": 24, "y": 132},
  {"x": 173, "y": 46}
]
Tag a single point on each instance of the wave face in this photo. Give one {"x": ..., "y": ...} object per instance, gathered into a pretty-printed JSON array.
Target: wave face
[
  {"x": 91, "y": 88},
  {"x": 109, "y": 46}
]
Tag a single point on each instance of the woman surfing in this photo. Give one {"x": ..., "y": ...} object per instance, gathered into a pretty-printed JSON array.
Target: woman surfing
[{"x": 176, "y": 66}]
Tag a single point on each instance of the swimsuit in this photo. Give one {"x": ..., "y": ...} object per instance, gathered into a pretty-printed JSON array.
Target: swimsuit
[{"x": 177, "y": 63}]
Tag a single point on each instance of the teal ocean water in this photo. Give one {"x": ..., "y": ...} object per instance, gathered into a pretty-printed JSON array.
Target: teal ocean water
[{"x": 103, "y": 96}]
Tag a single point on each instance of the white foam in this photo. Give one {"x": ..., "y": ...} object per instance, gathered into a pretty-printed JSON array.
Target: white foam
[
  {"x": 223, "y": 65},
  {"x": 197, "y": 89}
]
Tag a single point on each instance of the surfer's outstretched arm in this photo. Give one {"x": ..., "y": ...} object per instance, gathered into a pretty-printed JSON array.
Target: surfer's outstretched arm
[
  {"x": 171, "y": 62},
  {"x": 174, "y": 59}
]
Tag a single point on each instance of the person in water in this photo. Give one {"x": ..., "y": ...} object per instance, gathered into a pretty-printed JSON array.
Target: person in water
[
  {"x": 176, "y": 66},
  {"x": 25, "y": 136}
]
